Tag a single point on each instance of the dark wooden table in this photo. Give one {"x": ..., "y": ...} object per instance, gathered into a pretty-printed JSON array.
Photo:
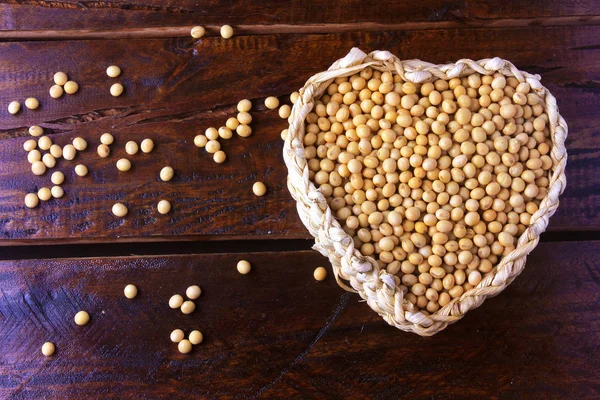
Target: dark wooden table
[{"x": 274, "y": 333}]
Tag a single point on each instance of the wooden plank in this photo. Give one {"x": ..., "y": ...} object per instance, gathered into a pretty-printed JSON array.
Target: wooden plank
[
  {"x": 107, "y": 15},
  {"x": 278, "y": 333},
  {"x": 283, "y": 29},
  {"x": 176, "y": 88}
]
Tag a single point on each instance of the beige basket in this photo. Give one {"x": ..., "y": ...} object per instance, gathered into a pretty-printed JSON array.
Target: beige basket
[{"x": 363, "y": 274}]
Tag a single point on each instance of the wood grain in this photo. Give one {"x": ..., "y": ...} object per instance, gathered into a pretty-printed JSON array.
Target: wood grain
[
  {"x": 284, "y": 29},
  {"x": 176, "y": 88},
  {"x": 108, "y": 15},
  {"x": 278, "y": 333}
]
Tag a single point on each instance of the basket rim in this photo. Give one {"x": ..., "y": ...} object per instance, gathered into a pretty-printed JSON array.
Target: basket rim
[{"x": 379, "y": 288}]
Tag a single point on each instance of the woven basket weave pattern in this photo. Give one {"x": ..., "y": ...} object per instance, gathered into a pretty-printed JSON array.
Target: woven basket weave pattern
[{"x": 375, "y": 285}]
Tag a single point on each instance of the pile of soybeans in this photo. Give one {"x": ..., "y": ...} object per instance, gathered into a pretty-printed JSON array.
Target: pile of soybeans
[{"x": 435, "y": 181}]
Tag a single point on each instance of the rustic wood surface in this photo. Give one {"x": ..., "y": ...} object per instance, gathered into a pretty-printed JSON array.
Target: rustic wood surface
[
  {"x": 275, "y": 333},
  {"x": 176, "y": 88},
  {"x": 119, "y": 15}
]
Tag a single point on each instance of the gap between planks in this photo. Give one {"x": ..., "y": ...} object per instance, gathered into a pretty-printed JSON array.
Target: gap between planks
[
  {"x": 93, "y": 250},
  {"x": 213, "y": 30}
]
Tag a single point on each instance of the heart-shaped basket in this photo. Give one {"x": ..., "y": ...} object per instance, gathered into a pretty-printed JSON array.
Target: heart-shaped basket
[{"x": 379, "y": 288}]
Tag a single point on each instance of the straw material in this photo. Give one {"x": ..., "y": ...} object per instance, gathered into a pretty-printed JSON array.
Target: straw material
[{"x": 375, "y": 285}]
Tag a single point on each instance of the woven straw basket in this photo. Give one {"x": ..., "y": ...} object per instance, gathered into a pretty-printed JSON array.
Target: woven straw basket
[{"x": 373, "y": 284}]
